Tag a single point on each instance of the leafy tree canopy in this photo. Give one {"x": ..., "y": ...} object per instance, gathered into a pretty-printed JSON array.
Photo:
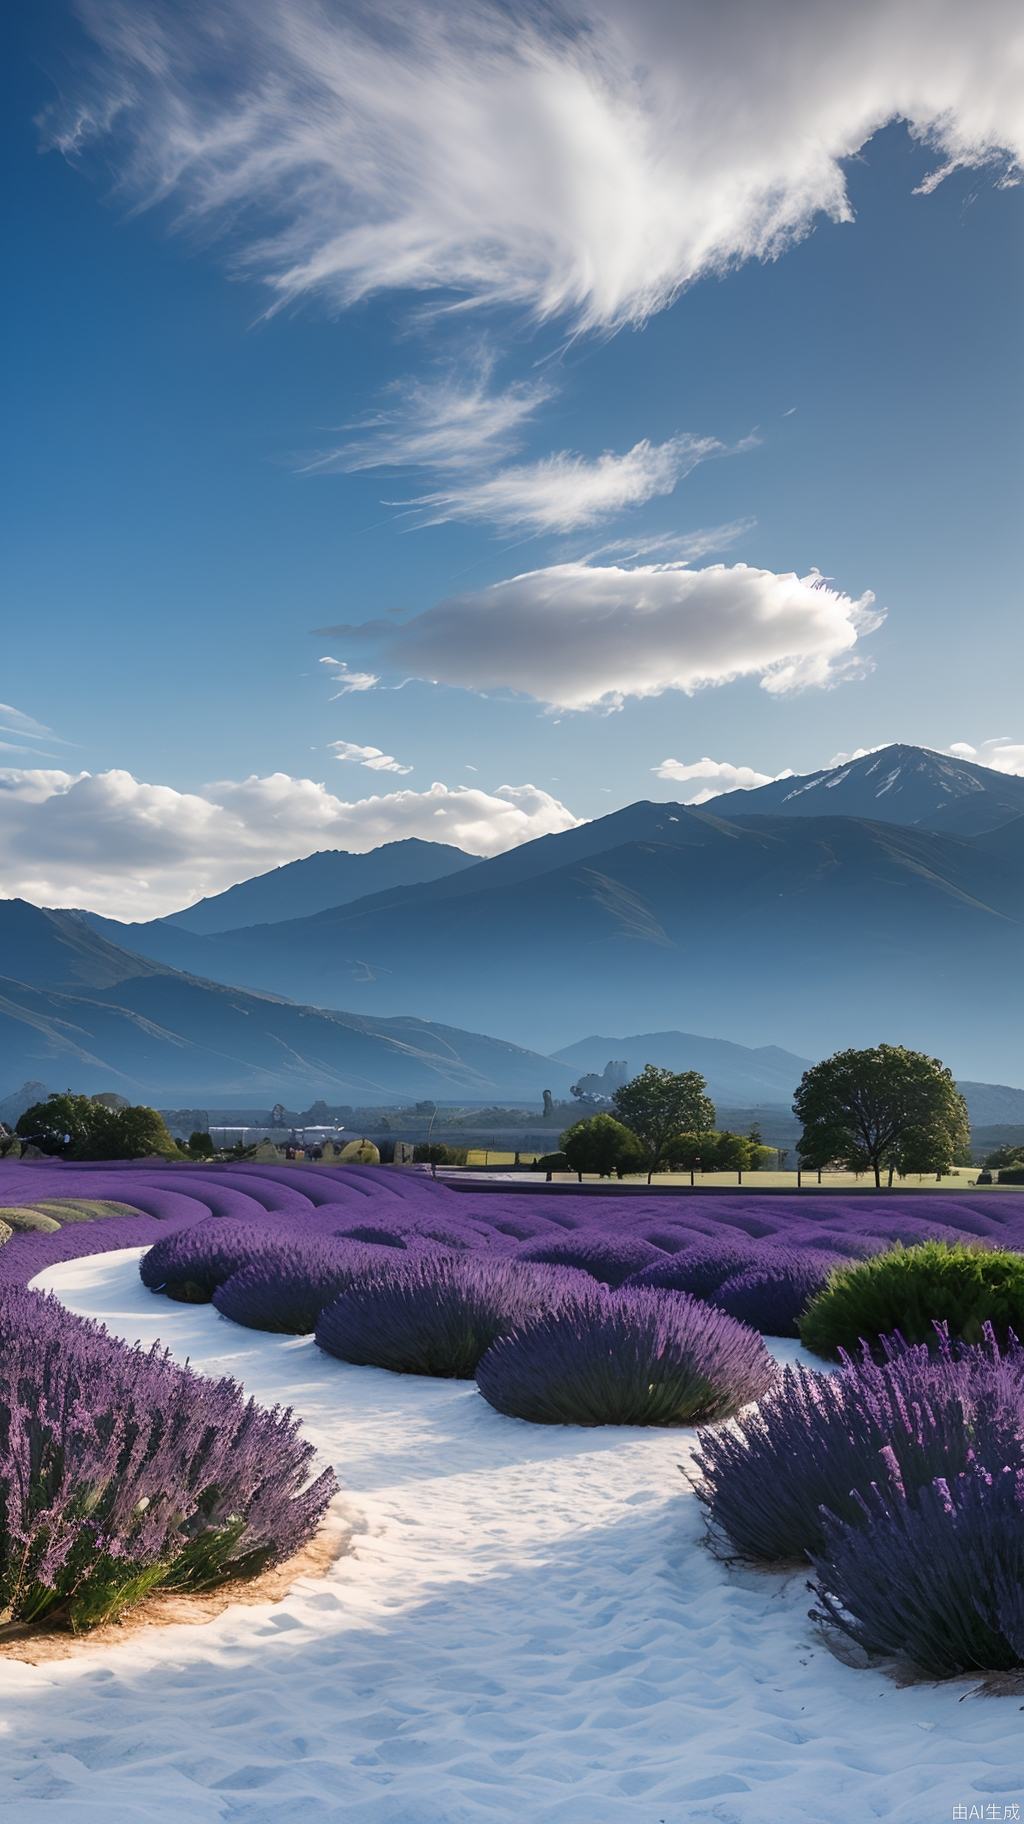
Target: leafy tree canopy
[
  {"x": 79, "y": 1127},
  {"x": 603, "y": 1145},
  {"x": 659, "y": 1103},
  {"x": 883, "y": 1108}
]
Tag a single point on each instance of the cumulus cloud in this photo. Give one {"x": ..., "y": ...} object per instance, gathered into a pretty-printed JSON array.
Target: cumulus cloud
[
  {"x": 999, "y": 752},
  {"x": 564, "y": 492},
  {"x": 705, "y": 779},
  {"x": 579, "y": 636},
  {"x": 113, "y": 844},
  {"x": 450, "y": 420},
  {"x": 371, "y": 757},
  {"x": 584, "y": 159}
]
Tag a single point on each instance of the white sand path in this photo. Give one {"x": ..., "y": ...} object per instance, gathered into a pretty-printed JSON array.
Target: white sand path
[{"x": 527, "y": 1629}]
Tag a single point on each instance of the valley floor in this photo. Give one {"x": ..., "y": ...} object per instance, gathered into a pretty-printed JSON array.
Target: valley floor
[{"x": 528, "y": 1627}]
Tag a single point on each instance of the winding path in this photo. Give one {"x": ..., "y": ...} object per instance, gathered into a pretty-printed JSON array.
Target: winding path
[{"x": 527, "y": 1629}]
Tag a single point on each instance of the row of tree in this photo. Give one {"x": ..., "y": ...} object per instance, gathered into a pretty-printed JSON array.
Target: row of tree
[
  {"x": 882, "y": 1110},
  {"x": 885, "y": 1109}
]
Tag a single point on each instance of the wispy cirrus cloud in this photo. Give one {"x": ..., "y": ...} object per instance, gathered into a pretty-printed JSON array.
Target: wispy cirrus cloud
[
  {"x": 371, "y": 757},
  {"x": 583, "y": 159},
  {"x": 349, "y": 682},
  {"x": 451, "y": 420},
  {"x": 27, "y": 732},
  {"x": 565, "y": 492},
  {"x": 585, "y": 636}
]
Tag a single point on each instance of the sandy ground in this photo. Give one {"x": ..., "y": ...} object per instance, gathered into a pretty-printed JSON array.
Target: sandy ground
[{"x": 526, "y": 1628}]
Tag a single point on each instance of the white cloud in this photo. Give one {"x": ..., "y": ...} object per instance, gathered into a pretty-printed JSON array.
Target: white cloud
[
  {"x": 705, "y": 779},
  {"x": 371, "y": 757},
  {"x": 858, "y": 753},
  {"x": 999, "y": 752},
  {"x": 583, "y": 160},
  {"x": 578, "y": 636},
  {"x": 446, "y": 423},
  {"x": 672, "y": 547},
  {"x": 113, "y": 844},
  {"x": 27, "y": 731},
  {"x": 348, "y": 681},
  {"x": 564, "y": 492}
]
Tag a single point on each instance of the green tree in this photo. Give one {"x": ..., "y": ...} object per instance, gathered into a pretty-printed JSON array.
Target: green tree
[
  {"x": 1008, "y": 1156},
  {"x": 879, "y": 1108},
  {"x": 129, "y": 1133},
  {"x": 200, "y": 1145},
  {"x": 79, "y": 1127},
  {"x": 603, "y": 1145},
  {"x": 62, "y": 1124},
  {"x": 659, "y": 1103}
]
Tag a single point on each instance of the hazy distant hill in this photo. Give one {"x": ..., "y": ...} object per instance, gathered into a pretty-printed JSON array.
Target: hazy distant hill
[
  {"x": 76, "y": 1011},
  {"x": 815, "y": 932},
  {"x": 734, "y": 1073},
  {"x": 898, "y": 784},
  {"x": 331, "y": 877}
]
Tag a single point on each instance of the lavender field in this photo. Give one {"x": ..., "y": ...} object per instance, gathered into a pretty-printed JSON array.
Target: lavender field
[{"x": 505, "y": 1388}]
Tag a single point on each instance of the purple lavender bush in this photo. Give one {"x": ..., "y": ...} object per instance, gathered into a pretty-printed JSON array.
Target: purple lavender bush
[
  {"x": 634, "y": 1357},
  {"x": 819, "y": 1441},
  {"x": 937, "y": 1580},
  {"x": 610, "y": 1258},
  {"x": 702, "y": 1268},
  {"x": 435, "y": 1314},
  {"x": 285, "y": 1289},
  {"x": 772, "y": 1294},
  {"x": 121, "y": 1473},
  {"x": 190, "y": 1264}
]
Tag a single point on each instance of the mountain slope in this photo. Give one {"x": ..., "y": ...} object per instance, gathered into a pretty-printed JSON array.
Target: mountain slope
[
  {"x": 129, "y": 1024},
  {"x": 897, "y": 784},
  {"x": 819, "y": 932},
  {"x": 330, "y": 877}
]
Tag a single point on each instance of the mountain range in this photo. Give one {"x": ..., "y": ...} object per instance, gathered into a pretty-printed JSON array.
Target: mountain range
[
  {"x": 331, "y": 877},
  {"x": 78, "y": 1012},
  {"x": 817, "y": 931},
  {"x": 747, "y": 915}
]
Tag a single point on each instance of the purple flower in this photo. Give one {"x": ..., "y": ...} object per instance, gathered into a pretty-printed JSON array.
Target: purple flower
[{"x": 634, "y": 1357}]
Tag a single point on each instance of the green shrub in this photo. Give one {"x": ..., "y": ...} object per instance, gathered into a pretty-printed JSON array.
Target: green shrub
[
  {"x": 5, "y": 1233},
  {"x": 551, "y": 1162},
  {"x": 908, "y": 1290},
  {"x": 1011, "y": 1174}
]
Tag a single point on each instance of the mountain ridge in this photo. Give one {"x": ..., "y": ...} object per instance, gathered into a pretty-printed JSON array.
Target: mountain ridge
[{"x": 329, "y": 876}]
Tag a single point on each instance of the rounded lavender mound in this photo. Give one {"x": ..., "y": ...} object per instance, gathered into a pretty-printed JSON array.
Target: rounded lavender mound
[
  {"x": 816, "y": 1444},
  {"x": 123, "y": 1473},
  {"x": 435, "y": 1314},
  {"x": 635, "y": 1357},
  {"x": 190, "y": 1264},
  {"x": 610, "y": 1258},
  {"x": 936, "y": 1579},
  {"x": 702, "y": 1268},
  {"x": 772, "y": 1294},
  {"x": 285, "y": 1290}
]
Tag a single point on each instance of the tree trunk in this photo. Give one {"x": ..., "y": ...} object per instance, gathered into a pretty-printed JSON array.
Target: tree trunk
[{"x": 878, "y": 1176}]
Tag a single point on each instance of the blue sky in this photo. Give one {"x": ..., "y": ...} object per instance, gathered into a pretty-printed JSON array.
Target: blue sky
[{"x": 169, "y": 550}]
